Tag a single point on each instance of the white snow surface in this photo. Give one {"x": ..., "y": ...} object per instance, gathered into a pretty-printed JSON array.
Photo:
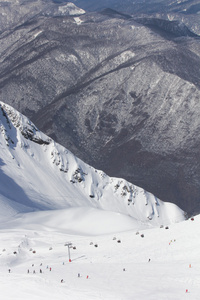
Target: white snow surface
[
  {"x": 78, "y": 20},
  {"x": 48, "y": 198},
  {"x": 111, "y": 266},
  {"x": 71, "y": 9},
  {"x": 38, "y": 174}
]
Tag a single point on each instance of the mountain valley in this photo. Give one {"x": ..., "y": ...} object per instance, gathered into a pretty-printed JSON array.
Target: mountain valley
[{"x": 119, "y": 91}]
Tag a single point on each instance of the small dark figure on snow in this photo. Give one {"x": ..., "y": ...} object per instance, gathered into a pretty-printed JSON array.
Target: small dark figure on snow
[
  {"x": 34, "y": 272},
  {"x": 62, "y": 281},
  {"x": 79, "y": 275},
  {"x": 9, "y": 270},
  {"x": 124, "y": 269},
  {"x": 40, "y": 271},
  {"x": 27, "y": 271},
  {"x": 149, "y": 260}
]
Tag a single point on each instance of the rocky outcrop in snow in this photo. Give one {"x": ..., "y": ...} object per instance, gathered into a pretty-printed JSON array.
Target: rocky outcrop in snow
[{"x": 50, "y": 176}]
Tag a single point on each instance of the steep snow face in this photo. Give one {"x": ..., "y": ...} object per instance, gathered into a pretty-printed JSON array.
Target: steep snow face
[{"x": 38, "y": 174}]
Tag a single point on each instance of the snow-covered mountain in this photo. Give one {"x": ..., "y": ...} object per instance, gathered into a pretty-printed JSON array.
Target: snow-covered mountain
[
  {"x": 50, "y": 199},
  {"x": 120, "y": 92},
  {"x": 17, "y": 12},
  {"x": 68, "y": 9},
  {"x": 38, "y": 174}
]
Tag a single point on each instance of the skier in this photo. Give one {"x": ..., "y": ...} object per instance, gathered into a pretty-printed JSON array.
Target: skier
[{"x": 40, "y": 271}]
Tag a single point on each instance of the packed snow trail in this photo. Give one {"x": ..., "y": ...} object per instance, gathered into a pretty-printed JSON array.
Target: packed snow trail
[{"x": 115, "y": 270}]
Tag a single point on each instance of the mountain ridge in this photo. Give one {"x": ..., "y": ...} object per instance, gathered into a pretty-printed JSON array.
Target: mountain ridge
[
  {"x": 48, "y": 170},
  {"x": 120, "y": 95}
]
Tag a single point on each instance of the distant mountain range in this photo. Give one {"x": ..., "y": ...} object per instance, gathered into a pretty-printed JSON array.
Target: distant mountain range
[
  {"x": 187, "y": 12},
  {"x": 120, "y": 89},
  {"x": 138, "y": 6}
]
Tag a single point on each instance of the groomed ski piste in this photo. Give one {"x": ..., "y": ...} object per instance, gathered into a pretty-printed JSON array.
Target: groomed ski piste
[
  {"x": 124, "y": 242},
  {"x": 146, "y": 264}
]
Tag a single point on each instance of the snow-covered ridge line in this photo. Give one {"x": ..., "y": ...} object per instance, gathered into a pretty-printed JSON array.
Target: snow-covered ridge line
[
  {"x": 25, "y": 126},
  {"x": 58, "y": 179},
  {"x": 71, "y": 9}
]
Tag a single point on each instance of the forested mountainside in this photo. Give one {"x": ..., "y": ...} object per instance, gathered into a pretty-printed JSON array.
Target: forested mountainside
[{"x": 120, "y": 91}]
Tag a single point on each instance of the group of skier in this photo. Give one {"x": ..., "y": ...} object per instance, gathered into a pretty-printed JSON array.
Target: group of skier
[{"x": 49, "y": 268}]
